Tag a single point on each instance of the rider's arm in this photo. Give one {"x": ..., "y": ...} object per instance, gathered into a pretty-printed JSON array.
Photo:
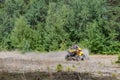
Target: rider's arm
[{"x": 71, "y": 50}]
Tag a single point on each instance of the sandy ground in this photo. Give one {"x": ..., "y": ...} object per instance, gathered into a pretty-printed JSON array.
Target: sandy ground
[{"x": 33, "y": 61}]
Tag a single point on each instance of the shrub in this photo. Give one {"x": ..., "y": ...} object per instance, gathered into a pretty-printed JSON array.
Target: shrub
[
  {"x": 59, "y": 68},
  {"x": 118, "y": 61}
]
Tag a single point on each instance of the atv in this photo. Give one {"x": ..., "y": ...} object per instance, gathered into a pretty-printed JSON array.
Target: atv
[{"x": 68, "y": 57}]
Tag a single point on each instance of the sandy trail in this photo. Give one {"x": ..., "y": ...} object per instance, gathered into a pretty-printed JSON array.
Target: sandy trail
[{"x": 28, "y": 62}]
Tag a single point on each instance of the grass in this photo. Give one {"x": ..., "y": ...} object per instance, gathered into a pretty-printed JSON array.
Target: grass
[
  {"x": 68, "y": 69},
  {"x": 59, "y": 68},
  {"x": 114, "y": 74}
]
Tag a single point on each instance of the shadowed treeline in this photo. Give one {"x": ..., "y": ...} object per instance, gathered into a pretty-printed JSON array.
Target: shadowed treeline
[{"x": 52, "y": 76}]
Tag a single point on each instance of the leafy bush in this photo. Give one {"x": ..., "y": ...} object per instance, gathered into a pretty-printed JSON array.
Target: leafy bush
[{"x": 59, "y": 68}]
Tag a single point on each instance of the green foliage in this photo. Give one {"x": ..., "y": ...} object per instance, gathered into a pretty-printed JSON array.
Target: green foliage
[
  {"x": 118, "y": 61},
  {"x": 59, "y": 68},
  {"x": 48, "y": 25},
  {"x": 37, "y": 12},
  {"x": 56, "y": 21},
  {"x": 68, "y": 69},
  {"x": 21, "y": 34},
  {"x": 25, "y": 38}
]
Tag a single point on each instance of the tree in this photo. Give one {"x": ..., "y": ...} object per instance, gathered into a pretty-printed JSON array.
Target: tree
[{"x": 21, "y": 34}]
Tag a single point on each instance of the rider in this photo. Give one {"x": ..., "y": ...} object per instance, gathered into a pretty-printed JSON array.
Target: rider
[{"x": 75, "y": 50}]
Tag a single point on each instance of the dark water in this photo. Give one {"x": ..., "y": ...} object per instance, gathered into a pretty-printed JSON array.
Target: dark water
[{"x": 52, "y": 76}]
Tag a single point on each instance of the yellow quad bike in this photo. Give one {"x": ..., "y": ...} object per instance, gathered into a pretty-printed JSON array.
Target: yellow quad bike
[{"x": 75, "y": 55}]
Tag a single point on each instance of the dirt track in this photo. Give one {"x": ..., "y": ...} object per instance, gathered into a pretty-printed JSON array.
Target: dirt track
[{"x": 30, "y": 62}]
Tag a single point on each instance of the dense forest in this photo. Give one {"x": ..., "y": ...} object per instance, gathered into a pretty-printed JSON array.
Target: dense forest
[{"x": 49, "y": 25}]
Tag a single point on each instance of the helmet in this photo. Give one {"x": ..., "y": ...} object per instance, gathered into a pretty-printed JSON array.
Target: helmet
[{"x": 75, "y": 46}]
